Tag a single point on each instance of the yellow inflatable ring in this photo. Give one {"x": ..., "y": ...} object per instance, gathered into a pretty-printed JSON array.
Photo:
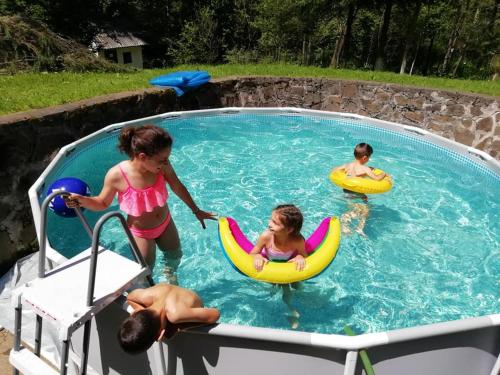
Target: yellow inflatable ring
[
  {"x": 322, "y": 247},
  {"x": 361, "y": 184}
]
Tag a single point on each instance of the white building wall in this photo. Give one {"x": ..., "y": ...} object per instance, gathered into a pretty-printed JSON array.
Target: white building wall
[{"x": 136, "y": 56}]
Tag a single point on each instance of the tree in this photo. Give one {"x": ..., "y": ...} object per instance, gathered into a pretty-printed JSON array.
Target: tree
[
  {"x": 382, "y": 35},
  {"x": 345, "y": 34},
  {"x": 410, "y": 36}
]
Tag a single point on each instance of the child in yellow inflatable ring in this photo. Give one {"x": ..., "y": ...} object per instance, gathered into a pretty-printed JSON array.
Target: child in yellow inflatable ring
[{"x": 358, "y": 168}]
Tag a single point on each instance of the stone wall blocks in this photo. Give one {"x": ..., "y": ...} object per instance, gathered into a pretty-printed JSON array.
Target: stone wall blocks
[
  {"x": 467, "y": 122},
  {"x": 383, "y": 96},
  {"x": 475, "y": 110},
  {"x": 464, "y": 135},
  {"x": 414, "y": 117},
  {"x": 436, "y": 107},
  {"x": 484, "y": 143},
  {"x": 442, "y": 118},
  {"x": 297, "y": 90},
  {"x": 349, "y": 90},
  {"x": 438, "y": 127},
  {"x": 401, "y": 100},
  {"x": 436, "y": 97},
  {"x": 495, "y": 148},
  {"x": 485, "y": 124},
  {"x": 455, "y": 109}
]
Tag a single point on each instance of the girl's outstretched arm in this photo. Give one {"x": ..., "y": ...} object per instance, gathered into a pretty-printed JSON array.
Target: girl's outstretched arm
[
  {"x": 101, "y": 201},
  {"x": 182, "y": 192}
]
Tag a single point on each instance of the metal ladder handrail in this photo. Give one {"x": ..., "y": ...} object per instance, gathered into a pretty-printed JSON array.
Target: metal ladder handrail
[
  {"x": 95, "y": 246},
  {"x": 93, "y": 266},
  {"x": 94, "y": 234},
  {"x": 43, "y": 228}
]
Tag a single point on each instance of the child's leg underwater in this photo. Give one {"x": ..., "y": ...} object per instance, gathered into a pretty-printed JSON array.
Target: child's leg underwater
[
  {"x": 362, "y": 212},
  {"x": 294, "y": 316},
  {"x": 169, "y": 243},
  {"x": 147, "y": 249}
]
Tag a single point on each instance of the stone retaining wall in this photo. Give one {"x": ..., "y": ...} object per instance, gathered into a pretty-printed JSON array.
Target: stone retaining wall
[{"x": 29, "y": 140}]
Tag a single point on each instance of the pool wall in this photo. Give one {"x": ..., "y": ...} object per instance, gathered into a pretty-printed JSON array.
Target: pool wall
[
  {"x": 467, "y": 346},
  {"x": 464, "y": 347},
  {"x": 29, "y": 140}
]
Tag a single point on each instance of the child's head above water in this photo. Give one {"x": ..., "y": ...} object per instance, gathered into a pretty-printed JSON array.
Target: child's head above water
[
  {"x": 147, "y": 139},
  {"x": 362, "y": 152},
  {"x": 289, "y": 216}
]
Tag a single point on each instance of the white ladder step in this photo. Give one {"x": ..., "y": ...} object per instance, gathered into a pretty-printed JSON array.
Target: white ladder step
[
  {"x": 29, "y": 364},
  {"x": 61, "y": 296}
]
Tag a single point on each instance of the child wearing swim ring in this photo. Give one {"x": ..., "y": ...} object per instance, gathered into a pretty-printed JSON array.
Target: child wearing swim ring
[
  {"x": 140, "y": 183},
  {"x": 358, "y": 168},
  {"x": 282, "y": 241}
]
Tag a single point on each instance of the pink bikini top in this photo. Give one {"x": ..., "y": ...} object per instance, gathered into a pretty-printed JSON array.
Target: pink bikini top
[
  {"x": 278, "y": 255},
  {"x": 137, "y": 201}
]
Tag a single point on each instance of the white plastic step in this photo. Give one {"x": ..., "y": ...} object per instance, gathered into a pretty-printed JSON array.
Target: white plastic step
[
  {"x": 29, "y": 364},
  {"x": 61, "y": 296}
]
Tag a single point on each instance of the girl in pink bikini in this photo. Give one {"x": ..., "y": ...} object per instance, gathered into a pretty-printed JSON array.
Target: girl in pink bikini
[{"x": 142, "y": 194}]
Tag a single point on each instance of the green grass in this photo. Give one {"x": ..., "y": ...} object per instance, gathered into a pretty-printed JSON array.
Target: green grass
[{"x": 26, "y": 91}]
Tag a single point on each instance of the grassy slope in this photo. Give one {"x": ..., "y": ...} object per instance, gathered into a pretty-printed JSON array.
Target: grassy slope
[{"x": 26, "y": 91}]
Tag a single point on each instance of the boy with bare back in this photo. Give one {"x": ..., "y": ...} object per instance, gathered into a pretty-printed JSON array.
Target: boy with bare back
[{"x": 158, "y": 311}]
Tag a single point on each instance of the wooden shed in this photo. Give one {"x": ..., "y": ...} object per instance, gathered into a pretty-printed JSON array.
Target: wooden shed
[{"x": 119, "y": 47}]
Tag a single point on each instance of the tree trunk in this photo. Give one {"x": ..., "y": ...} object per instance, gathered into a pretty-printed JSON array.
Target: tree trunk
[
  {"x": 308, "y": 60},
  {"x": 428, "y": 58},
  {"x": 345, "y": 35},
  {"x": 459, "y": 61},
  {"x": 382, "y": 36},
  {"x": 416, "y": 54},
  {"x": 454, "y": 37},
  {"x": 304, "y": 50},
  {"x": 370, "y": 49},
  {"x": 410, "y": 35}
]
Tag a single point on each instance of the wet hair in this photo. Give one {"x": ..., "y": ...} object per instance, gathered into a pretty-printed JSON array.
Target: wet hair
[
  {"x": 362, "y": 149},
  {"x": 291, "y": 217},
  {"x": 149, "y": 139},
  {"x": 139, "y": 331}
]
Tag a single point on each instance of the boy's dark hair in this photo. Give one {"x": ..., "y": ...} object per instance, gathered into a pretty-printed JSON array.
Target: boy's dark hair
[
  {"x": 362, "y": 149},
  {"x": 291, "y": 217},
  {"x": 149, "y": 139},
  {"x": 139, "y": 331}
]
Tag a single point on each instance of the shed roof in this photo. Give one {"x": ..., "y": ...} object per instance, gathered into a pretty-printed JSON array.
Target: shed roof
[{"x": 115, "y": 39}]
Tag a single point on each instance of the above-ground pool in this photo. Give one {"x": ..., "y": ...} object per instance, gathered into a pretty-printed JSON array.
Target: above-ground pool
[{"x": 432, "y": 246}]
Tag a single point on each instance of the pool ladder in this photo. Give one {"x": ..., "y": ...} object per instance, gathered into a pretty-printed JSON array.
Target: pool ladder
[{"x": 59, "y": 294}]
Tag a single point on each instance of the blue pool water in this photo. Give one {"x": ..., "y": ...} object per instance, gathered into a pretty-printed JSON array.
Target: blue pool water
[{"x": 432, "y": 250}]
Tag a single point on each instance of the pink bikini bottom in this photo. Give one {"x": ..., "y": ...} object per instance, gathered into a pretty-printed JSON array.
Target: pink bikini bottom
[{"x": 153, "y": 233}]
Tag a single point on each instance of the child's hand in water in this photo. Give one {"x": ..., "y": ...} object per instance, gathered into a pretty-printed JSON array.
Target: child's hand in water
[
  {"x": 259, "y": 261},
  {"x": 204, "y": 215},
  {"x": 299, "y": 261}
]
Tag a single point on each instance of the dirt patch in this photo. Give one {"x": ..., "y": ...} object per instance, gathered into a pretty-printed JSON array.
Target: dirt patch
[{"x": 6, "y": 342}]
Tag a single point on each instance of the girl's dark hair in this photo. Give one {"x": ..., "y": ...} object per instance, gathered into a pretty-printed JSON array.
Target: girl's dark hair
[
  {"x": 362, "y": 149},
  {"x": 139, "y": 331},
  {"x": 291, "y": 217},
  {"x": 149, "y": 139}
]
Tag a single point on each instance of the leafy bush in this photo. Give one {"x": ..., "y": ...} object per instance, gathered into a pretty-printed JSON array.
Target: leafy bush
[{"x": 31, "y": 46}]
